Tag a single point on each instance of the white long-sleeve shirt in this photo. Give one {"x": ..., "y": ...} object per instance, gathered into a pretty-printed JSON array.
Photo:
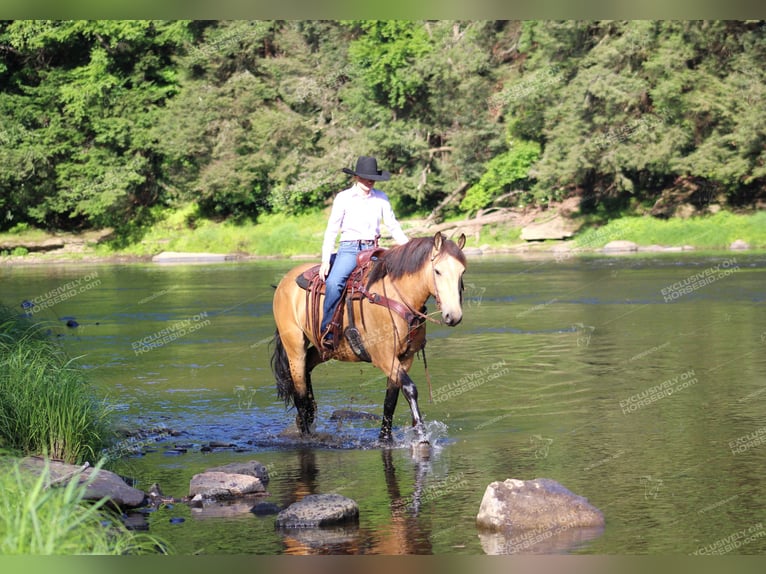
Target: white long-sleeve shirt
[{"x": 357, "y": 216}]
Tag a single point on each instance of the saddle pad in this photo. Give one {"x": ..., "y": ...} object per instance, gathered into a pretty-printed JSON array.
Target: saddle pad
[{"x": 304, "y": 279}]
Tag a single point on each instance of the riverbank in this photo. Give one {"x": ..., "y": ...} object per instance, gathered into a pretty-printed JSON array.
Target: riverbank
[{"x": 299, "y": 237}]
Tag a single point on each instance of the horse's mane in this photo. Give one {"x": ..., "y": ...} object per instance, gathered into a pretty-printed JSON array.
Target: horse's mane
[{"x": 410, "y": 258}]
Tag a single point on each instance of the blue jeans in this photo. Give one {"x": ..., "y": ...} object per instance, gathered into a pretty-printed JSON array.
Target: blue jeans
[{"x": 342, "y": 266}]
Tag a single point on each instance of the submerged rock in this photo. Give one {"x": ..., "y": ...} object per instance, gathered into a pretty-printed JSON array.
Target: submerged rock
[
  {"x": 541, "y": 504},
  {"x": 316, "y": 510},
  {"x": 224, "y": 485},
  {"x": 265, "y": 508}
]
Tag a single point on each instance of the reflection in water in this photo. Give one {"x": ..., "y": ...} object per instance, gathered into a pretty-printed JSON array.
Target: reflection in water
[{"x": 404, "y": 533}]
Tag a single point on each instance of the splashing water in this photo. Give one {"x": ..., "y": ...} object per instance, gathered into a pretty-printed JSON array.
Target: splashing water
[{"x": 434, "y": 432}]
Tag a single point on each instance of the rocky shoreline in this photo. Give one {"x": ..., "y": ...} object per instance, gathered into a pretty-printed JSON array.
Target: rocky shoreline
[{"x": 554, "y": 249}]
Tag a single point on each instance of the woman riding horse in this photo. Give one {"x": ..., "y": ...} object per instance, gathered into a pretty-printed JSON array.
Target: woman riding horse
[{"x": 389, "y": 320}]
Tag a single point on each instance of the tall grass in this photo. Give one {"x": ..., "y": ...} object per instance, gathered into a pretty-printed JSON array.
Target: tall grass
[
  {"x": 36, "y": 518},
  {"x": 46, "y": 404}
]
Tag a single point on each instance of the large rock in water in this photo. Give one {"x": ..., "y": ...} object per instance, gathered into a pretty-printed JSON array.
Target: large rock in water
[
  {"x": 316, "y": 510},
  {"x": 250, "y": 468},
  {"x": 541, "y": 504},
  {"x": 224, "y": 485},
  {"x": 105, "y": 484}
]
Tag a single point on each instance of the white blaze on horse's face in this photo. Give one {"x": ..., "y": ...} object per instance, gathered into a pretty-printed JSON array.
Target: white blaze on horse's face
[{"x": 448, "y": 281}]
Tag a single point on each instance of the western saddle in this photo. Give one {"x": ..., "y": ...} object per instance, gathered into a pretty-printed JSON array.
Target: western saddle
[{"x": 354, "y": 290}]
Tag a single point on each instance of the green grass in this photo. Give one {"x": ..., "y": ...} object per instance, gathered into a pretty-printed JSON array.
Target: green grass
[
  {"x": 273, "y": 235},
  {"x": 39, "y": 519},
  {"x": 46, "y": 404},
  {"x": 707, "y": 232},
  {"x": 495, "y": 236}
]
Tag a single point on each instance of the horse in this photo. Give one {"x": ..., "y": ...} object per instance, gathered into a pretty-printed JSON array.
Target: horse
[{"x": 391, "y": 335}]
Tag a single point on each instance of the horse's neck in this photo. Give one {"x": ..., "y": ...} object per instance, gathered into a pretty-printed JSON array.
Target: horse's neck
[{"x": 412, "y": 290}]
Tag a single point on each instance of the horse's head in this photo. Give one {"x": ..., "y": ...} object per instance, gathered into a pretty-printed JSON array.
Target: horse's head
[{"x": 448, "y": 262}]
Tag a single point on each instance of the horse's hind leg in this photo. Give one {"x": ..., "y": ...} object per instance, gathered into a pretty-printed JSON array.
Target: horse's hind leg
[
  {"x": 306, "y": 405},
  {"x": 302, "y": 393}
]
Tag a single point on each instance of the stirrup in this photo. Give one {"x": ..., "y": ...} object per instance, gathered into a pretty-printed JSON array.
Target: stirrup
[{"x": 354, "y": 339}]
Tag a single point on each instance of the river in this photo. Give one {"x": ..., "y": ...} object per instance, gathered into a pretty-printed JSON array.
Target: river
[{"x": 635, "y": 381}]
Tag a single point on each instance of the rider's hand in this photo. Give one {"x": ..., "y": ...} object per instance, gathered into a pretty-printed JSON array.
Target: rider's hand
[{"x": 324, "y": 269}]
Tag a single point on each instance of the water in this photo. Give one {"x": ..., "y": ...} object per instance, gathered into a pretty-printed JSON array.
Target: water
[{"x": 633, "y": 381}]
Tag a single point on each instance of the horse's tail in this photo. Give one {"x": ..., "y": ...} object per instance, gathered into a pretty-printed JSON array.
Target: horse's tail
[{"x": 280, "y": 366}]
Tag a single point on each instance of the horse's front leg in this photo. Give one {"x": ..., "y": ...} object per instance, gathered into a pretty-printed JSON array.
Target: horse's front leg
[{"x": 411, "y": 394}]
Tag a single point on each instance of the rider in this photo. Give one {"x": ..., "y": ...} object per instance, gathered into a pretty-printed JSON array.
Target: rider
[{"x": 356, "y": 214}]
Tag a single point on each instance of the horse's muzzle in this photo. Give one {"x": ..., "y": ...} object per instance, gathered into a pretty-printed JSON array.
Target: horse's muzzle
[{"x": 452, "y": 319}]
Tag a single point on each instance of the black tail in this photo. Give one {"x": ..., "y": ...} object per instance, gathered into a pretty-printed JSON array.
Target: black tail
[{"x": 280, "y": 366}]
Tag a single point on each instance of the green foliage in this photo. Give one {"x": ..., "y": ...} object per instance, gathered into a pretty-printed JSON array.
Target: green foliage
[
  {"x": 504, "y": 173},
  {"x": 637, "y": 105},
  {"x": 39, "y": 519},
  {"x": 79, "y": 100},
  {"x": 46, "y": 405},
  {"x": 386, "y": 53},
  {"x": 103, "y": 123}
]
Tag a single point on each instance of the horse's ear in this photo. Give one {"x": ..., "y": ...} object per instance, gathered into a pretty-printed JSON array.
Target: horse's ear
[
  {"x": 461, "y": 241},
  {"x": 438, "y": 242}
]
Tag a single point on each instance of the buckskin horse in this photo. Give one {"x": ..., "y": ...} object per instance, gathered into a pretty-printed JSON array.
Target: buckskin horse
[{"x": 386, "y": 316}]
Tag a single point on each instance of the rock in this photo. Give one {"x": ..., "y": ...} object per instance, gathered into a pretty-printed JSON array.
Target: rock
[
  {"x": 220, "y": 444},
  {"x": 620, "y": 246},
  {"x": 105, "y": 484},
  {"x": 249, "y": 468},
  {"x": 684, "y": 211},
  {"x": 739, "y": 244},
  {"x": 541, "y": 504},
  {"x": 557, "y": 227},
  {"x": 651, "y": 248},
  {"x": 224, "y": 485},
  {"x": 316, "y": 510},
  {"x": 177, "y": 257}
]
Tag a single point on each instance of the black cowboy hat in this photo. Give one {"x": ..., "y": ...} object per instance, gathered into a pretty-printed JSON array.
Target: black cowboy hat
[{"x": 367, "y": 168}]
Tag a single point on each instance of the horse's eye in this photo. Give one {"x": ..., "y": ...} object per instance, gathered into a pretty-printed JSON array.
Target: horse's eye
[{"x": 437, "y": 272}]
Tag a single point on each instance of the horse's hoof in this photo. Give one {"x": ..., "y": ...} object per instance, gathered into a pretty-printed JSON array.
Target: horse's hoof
[{"x": 421, "y": 449}]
